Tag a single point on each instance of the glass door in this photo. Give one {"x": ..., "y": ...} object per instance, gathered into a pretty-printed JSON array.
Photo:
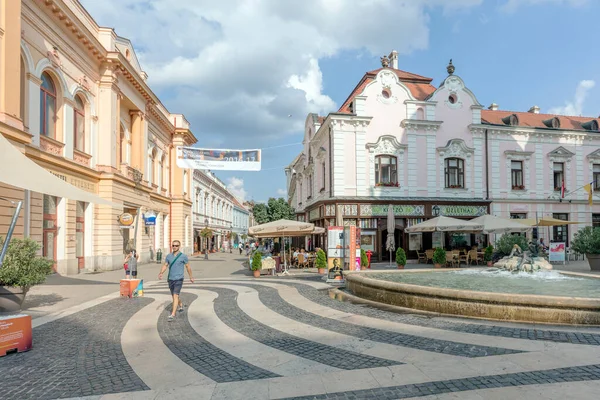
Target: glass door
[{"x": 50, "y": 229}]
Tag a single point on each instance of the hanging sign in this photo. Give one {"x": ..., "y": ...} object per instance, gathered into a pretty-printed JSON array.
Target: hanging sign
[
  {"x": 218, "y": 159},
  {"x": 126, "y": 221},
  {"x": 150, "y": 218}
]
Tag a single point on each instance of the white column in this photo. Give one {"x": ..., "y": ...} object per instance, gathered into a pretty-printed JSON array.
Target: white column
[
  {"x": 478, "y": 166},
  {"x": 413, "y": 153},
  {"x": 61, "y": 222},
  {"x": 361, "y": 162},
  {"x": 495, "y": 167},
  {"x": 338, "y": 163},
  {"x": 33, "y": 85},
  {"x": 431, "y": 162},
  {"x": 580, "y": 162},
  {"x": 68, "y": 130},
  {"x": 539, "y": 171},
  {"x": 88, "y": 239}
]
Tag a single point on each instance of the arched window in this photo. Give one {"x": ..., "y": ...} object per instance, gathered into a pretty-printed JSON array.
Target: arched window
[
  {"x": 47, "y": 107},
  {"x": 79, "y": 125},
  {"x": 151, "y": 167},
  {"x": 161, "y": 172},
  {"x": 386, "y": 171},
  {"x": 455, "y": 173},
  {"x": 122, "y": 148}
]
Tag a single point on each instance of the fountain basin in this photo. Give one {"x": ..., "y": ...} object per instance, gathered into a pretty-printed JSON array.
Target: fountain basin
[{"x": 476, "y": 303}]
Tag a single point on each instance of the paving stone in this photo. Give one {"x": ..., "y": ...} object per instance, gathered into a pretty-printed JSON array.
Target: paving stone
[
  {"x": 229, "y": 312},
  {"x": 322, "y": 297},
  {"x": 183, "y": 341},
  {"x": 270, "y": 298},
  {"x": 72, "y": 356},
  {"x": 571, "y": 374}
]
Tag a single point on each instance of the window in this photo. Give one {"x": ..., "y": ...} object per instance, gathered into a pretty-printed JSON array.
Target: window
[
  {"x": 516, "y": 173},
  {"x": 596, "y": 220},
  {"x": 560, "y": 233},
  {"x": 79, "y": 125},
  {"x": 310, "y": 186},
  {"x": 518, "y": 215},
  {"x": 47, "y": 107},
  {"x": 160, "y": 172},
  {"x": 79, "y": 233},
  {"x": 559, "y": 175},
  {"x": 122, "y": 148},
  {"x": 322, "y": 176},
  {"x": 386, "y": 172},
  {"x": 455, "y": 173},
  {"x": 185, "y": 182},
  {"x": 151, "y": 172},
  {"x": 596, "y": 184},
  {"x": 300, "y": 193}
]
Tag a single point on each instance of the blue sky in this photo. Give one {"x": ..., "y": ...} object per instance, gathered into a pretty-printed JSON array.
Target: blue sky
[{"x": 516, "y": 53}]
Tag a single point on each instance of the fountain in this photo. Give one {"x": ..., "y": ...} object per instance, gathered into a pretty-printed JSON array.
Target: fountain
[{"x": 522, "y": 287}]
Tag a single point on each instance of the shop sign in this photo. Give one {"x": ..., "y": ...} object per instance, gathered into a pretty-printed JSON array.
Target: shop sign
[
  {"x": 462, "y": 211},
  {"x": 78, "y": 183},
  {"x": 376, "y": 210},
  {"x": 314, "y": 214},
  {"x": 150, "y": 218},
  {"x": 126, "y": 220}
]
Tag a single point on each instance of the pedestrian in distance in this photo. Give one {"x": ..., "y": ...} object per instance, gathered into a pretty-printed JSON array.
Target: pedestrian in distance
[
  {"x": 132, "y": 261},
  {"x": 176, "y": 261}
]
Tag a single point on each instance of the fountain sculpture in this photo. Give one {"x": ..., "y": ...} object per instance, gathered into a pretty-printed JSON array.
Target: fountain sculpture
[{"x": 528, "y": 261}]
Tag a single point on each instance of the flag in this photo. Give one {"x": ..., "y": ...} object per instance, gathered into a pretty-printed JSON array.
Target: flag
[
  {"x": 588, "y": 188},
  {"x": 562, "y": 189}
]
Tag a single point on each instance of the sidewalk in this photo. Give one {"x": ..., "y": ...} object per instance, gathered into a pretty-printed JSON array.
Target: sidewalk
[{"x": 61, "y": 292}]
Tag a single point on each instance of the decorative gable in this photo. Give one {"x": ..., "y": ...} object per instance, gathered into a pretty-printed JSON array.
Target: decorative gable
[
  {"x": 560, "y": 155},
  {"x": 594, "y": 157},
  {"x": 456, "y": 148},
  {"x": 387, "y": 144}
]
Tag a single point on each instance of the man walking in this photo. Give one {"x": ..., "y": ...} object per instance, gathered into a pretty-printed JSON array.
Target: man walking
[{"x": 176, "y": 261}]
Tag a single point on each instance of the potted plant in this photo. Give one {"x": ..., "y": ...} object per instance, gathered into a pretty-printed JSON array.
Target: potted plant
[
  {"x": 321, "y": 261},
  {"x": 206, "y": 233},
  {"x": 22, "y": 268},
  {"x": 487, "y": 255},
  {"x": 401, "y": 257},
  {"x": 256, "y": 263},
  {"x": 364, "y": 260},
  {"x": 439, "y": 257},
  {"x": 587, "y": 241}
]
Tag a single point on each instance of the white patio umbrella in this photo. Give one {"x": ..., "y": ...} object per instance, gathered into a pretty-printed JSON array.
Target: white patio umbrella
[
  {"x": 445, "y": 224},
  {"x": 390, "y": 244},
  {"x": 492, "y": 224}
]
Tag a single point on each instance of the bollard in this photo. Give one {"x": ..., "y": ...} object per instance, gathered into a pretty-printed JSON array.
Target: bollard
[{"x": 158, "y": 256}]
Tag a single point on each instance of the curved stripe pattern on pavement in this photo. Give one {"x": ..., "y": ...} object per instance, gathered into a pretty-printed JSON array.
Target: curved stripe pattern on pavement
[
  {"x": 78, "y": 355},
  {"x": 179, "y": 336},
  {"x": 318, "y": 296},
  {"x": 229, "y": 312},
  {"x": 271, "y": 299}
]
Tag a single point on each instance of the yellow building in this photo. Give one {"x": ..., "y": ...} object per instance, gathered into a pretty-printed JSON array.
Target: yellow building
[{"x": 74, "y": 99}]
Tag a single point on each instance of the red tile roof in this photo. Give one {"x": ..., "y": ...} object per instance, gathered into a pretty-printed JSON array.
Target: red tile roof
[
  {"x": 237, "y": 203},
  {"x": 420, "y": 86},
  {"x": 535, "y": 120}
]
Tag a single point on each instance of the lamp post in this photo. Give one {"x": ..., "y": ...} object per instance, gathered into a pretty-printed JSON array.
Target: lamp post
[
  {"x": 435, "y": 210},
  {"x": 206, "y": 247}
]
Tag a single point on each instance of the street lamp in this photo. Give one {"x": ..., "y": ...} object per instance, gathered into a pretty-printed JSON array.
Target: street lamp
[
  {"x": 206, "y": 247},
  {"x": 435, "y": 211}
]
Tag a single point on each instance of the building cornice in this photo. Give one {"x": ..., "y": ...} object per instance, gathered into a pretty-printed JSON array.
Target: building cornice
[
  {"x": 537, "y": 132},
  {"x": 415, "y": 124}
]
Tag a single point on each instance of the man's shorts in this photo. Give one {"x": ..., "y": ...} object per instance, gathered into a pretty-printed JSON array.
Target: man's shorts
[
  {"x": 175, "y": 286},
  {"x": 134, "y": 274}
]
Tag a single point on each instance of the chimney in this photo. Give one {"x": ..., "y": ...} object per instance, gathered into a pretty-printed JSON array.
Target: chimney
[
  {"x": 493, "y": 107},
  {"x": 534, "y": 110},
  {"x": 394, "y": 59}
]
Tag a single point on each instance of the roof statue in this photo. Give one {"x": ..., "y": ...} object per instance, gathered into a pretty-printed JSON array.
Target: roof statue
[
  {"x": 450, "y": 68},
  {"x": 385, "y": 61}
]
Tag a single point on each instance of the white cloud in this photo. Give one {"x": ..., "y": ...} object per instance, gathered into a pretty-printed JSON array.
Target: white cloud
[
  {"x": 236, "y": 187},
  {"x": 282, "y": 192},
  {"x": 238, "y": 68},
  {"x": 513, "y": 5},
  {"x": 575, "y": 107}
]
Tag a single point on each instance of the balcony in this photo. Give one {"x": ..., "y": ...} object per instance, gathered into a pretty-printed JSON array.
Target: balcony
[{"x": 51, "y": 146}]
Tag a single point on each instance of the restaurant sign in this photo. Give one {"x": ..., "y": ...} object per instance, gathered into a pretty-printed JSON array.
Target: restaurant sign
[
  {"x": 376, "y": 210},
  {"x": 78, "y": 183},
  {"x": 462, "y": 211}
]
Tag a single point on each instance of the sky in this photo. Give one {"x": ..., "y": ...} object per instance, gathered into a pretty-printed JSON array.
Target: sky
[{"x": 247, "y": 72}]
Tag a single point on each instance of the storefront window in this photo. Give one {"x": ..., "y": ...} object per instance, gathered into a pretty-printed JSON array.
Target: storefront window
[
  {"x": 79, "y": 233},
  {"x": 367, "y": 241},
  {"x": 50, "y": 227},
  {"x": 561, "y": 233},
  {"x": 596, "y": 220}
]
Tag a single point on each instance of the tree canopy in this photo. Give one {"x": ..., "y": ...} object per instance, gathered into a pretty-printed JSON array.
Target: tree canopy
[{"x": 272, "y": 211}]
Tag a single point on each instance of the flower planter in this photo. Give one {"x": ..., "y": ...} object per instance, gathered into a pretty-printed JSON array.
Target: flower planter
[
  {"x": 400, "y": 266},
  {"x": 489, "y": 264},
  {"x": 11, "y": 298},
  {"x": 594, "y": 261},
  {"x": 437, "y": 265},
  {"x": 321, "y": 271},
  {"x": 256, "y": 273}
]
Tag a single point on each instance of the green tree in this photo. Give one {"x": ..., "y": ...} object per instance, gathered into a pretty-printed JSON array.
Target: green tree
[
  {"x": 279, "y": 209},
  {"x": 22, "y": 266},
  {"x": 261, "y": 214}
]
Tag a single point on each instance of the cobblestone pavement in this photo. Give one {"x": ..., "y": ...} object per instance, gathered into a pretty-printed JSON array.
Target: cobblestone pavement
[
  {"x": 271, "y": 299},
  {"x": 228, "y": 311},
  {"x": 191, "y": 348},
  {"x": 559, "y": 336},
  {"x": 79, "y": 355},
  {"x": 284, "y": 338}
]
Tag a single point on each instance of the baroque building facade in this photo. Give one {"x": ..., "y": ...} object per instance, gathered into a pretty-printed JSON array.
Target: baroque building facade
[
  {"x": 424, "y": 150},
  {"x": 74, "y": 99},
  {"x": 213, "y": 207}
]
